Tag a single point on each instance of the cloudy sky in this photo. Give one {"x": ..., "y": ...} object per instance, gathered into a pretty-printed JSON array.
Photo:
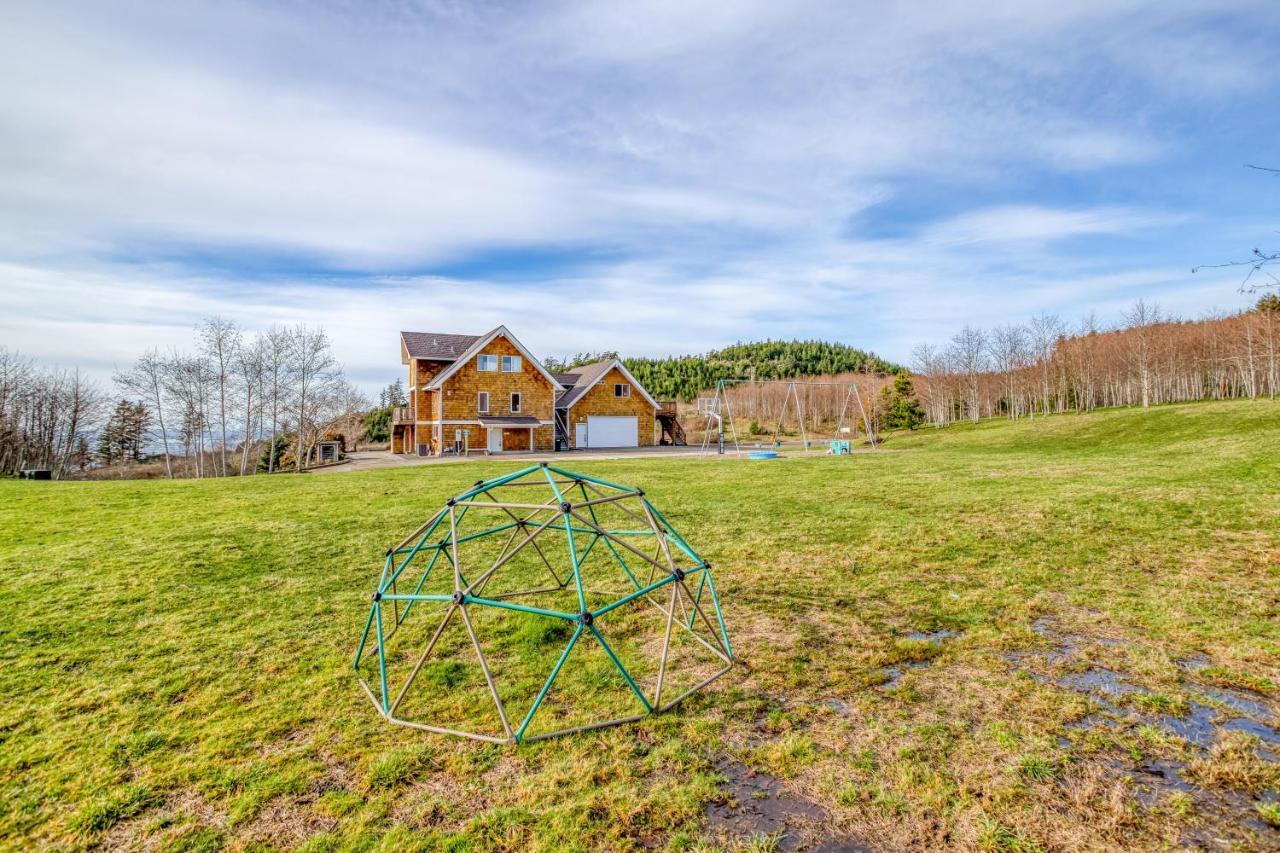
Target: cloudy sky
[{"x": 650, "y": 177}]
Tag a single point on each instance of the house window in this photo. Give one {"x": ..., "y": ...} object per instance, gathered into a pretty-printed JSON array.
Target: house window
[
  {"x": 482, "y": 401},
  {"x": 487, "y": 363},
  {"x": 622, "y": 389},
  {"x": 511, "y": 364},
  {"x": 515, "y": 402}
]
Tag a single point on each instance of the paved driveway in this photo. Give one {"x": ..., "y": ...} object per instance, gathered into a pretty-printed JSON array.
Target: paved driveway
[{"x": 366, "y": 460}]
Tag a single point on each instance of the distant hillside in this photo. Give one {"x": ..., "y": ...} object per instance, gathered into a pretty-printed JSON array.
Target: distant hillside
[{"x": 685, "y": 376}]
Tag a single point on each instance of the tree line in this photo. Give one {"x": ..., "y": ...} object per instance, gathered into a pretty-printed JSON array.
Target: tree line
[
  {"x": 232, "y": 404},
  {"x": 685, "y": 377},
  {"x": 237, "y": 403},
  {"x": 47, "y": 416},
  {"x": 1044, "y": 367}
]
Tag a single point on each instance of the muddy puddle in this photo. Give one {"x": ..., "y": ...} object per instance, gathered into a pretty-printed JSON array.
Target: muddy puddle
[
  {"x": 1210, "y": 711},
  {"x": 756, "y": 805},
  {"x": 893, "y": 675}
]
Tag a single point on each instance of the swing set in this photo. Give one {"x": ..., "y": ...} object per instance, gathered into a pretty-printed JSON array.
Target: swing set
[{"x": 720, "y": 428}]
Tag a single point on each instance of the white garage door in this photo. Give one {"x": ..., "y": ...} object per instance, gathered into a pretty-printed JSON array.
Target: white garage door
[{"x": 612, "y": 432}]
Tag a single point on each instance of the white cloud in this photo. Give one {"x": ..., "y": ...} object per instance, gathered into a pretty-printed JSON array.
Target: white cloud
[{"x": 715, "y": 153}]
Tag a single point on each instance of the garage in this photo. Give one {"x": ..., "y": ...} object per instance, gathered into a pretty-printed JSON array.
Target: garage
[{"x": 612, "y": 432}]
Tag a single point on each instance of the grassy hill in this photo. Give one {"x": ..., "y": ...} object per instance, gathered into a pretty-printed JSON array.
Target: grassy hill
[
  {"x": 685, "y": 376},
  {"x": 1011, "y": 636}
]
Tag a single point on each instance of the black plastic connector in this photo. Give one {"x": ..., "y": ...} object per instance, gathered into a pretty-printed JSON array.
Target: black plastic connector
[
  {"x": 451, "y": 502},
  {"x": 678, "y": 574},
  {"x": 640, "y": 492},
  {"x": 377, "y": 596},
  {"x": 459, "y": 597},
  {"x": 565, "y": 507},
  {"x": 586, "y": 618},
  {"x": 479, "y": 483}
]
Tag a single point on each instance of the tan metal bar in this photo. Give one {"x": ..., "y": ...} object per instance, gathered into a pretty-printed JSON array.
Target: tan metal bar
[
  {"x": 666, "y": 647},
  {"x": 587, "y": 728},
  {"x": 484, "y": 667},
  {"x": 694, "y": 689},
  {"x": 421, "y": 660}
]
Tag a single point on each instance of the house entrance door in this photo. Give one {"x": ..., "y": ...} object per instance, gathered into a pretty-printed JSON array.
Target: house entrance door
[{"x": 495, "y": 440}]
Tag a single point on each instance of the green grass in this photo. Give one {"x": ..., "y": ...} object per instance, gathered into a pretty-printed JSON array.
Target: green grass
[{"x": 176, "y": 654}]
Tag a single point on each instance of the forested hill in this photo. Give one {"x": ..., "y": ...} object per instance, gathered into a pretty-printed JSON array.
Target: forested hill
[{"x": 687, "y": 375}]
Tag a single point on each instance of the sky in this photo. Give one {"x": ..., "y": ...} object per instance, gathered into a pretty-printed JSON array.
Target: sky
[{"x": 649, "y": 177}]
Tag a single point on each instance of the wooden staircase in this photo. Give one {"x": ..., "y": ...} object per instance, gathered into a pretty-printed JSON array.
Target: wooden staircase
[{"x": 672, "y": 432}]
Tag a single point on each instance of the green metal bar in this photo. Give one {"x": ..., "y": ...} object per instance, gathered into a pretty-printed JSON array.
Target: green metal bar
[
  {"x": 522, "y": 608},
  {"x": 382, "y": 655},
  {"x": 554, "y": 487},
  {"x": 542, "y": 694},
  {"x": 577, "y": 571},
  {"x": 386, "y": 567},
  {"x": 575, "y": 529},
  {"x": 684, "y": 546},
  {"x": 666, "y": 579},
  {"x": 698, "y": 598},
  {"x": 405, "y": 596},
  {"x": 418, "y": 588},
  {"x": 363, "y": 638},
  {"x": 494, "y": 483},
  {"x": 488, "y": 532},
  {"x": 715, "y": 601},
  {"x": 424, "y": 547},
  {"x": 382, "y": 586},
  {"x": 596, "y": 480},
  {"x": 622, "y": 562},
  {"x": 622, "y": 669}
]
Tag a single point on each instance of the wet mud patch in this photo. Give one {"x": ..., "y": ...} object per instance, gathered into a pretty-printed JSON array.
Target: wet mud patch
[
  {"x": 1198, "y": 717},
  {"x": 754, "y": 806}
]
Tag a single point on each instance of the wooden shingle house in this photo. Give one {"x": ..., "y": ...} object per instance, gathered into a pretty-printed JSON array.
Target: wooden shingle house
[{"x": 488, "y": 393}]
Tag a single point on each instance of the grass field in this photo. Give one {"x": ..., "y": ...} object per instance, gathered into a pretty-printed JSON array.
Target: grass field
[{"x": 1059, "y": 634}]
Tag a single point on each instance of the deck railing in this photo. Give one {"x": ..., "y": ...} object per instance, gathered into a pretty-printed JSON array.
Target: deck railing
[
  {"x": 666, "y": 408},
  {"x": 402, "y": 415}
]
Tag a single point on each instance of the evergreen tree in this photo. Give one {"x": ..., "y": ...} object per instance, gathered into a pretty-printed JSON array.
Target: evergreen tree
[
  {"x": 898, "y": 401},
  {"x": 124, "y": 436}
]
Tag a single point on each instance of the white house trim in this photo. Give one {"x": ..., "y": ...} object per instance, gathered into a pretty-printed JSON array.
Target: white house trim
[
  {"x": 627, "y": 373},
  {"x": 483, "y": 342}
]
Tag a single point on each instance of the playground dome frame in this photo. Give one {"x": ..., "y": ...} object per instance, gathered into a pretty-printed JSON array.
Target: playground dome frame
[{"x": 640, "y": 549}]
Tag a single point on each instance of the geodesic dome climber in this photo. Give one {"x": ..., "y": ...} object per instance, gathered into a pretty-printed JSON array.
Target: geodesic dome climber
[{"x": 538, "y": 604}]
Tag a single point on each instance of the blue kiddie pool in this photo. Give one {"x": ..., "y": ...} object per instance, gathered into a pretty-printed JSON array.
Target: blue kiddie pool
[{"x": 763, "y": 454}]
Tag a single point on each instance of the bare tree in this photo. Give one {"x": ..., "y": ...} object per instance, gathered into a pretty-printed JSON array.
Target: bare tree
[
  {"x": 219, "y": 341},
  {"x": 1141, "y": 319},
  {"x": 146, "y": 379},
  {"x": 1008, "y": 346},
  {"x": 967, "y": 354},
  {"x": 313, "y": 368},
  {"x": 1043, "y": 334},
  {"x": 276, "y": 375}
]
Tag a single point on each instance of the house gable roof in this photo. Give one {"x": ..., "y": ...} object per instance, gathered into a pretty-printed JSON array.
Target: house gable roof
[
  {"x": 435, "y": 346},
  {"x": 587, "y": 377},
  {"x": 479, "y": 344}
]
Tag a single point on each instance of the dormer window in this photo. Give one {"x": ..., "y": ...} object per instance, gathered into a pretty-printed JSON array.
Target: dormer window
[
  {"x": 487, "y": 363},
  {"x": 512, "y": 364},
  {"x": 621, "y": 389}
]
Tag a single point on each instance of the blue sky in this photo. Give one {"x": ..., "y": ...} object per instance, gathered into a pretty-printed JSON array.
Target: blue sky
[{"x": 650, "y": 177}]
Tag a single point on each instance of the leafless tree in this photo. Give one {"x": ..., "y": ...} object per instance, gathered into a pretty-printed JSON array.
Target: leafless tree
[
  {"x": 1140, "y": 320},
  {"x": 968, "y": 356},
  {"x": 147, "y": 379},
  {"x": 313, "y": 369},
  {"x": 219, "y": 341}
]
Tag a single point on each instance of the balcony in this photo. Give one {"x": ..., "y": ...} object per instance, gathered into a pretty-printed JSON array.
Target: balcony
[
  {"x": 666, "y": 408},
  {"x": 402, "y": 415}
]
